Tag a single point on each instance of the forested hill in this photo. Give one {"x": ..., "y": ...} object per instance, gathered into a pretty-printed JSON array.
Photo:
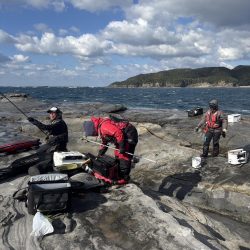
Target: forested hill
[{"x": 201, "y": 77}]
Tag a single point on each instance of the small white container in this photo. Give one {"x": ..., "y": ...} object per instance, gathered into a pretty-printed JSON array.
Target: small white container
[
  {"x": 234, "y": 118},
  {"x": 62, "y": 158},
  {"x": 196, "y": 162},
  {"x": 237, "y": 156}
]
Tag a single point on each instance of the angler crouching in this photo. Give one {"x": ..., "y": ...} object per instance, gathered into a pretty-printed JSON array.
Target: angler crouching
[{"x": 120, "y": 133}]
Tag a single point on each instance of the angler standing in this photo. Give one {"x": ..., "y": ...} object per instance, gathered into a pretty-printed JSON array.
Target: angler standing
[
  {"x": 215, "y": 125},
  {"x": 122, "y": 134},
  {"x": 41, "y": 161}
]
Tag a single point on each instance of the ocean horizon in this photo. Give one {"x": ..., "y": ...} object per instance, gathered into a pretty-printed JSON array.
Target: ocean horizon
[{"x": 231, "y": 100}]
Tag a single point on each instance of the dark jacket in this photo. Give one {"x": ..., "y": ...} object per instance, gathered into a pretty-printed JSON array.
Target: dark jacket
[{"x": 57, "y": 132}]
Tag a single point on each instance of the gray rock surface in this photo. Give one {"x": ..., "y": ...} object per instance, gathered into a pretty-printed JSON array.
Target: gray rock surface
[{"x": 168, "y": 204}]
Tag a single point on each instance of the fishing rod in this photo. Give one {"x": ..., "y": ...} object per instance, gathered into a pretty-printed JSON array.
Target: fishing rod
[
  {"x": 98, "y": 143},
  {"x": 14, "y": 104},
  {"x": 18, "y": 109}
]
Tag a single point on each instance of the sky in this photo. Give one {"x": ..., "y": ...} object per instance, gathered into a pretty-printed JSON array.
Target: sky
[{"x": 97, "y": 42}]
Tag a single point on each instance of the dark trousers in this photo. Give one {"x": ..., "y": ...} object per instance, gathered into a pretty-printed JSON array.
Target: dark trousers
[
  {"x": 125, "y": 165},
  {"x": 215, "y": 136}
]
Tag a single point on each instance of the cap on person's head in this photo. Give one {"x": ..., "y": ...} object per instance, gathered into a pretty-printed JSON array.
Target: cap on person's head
[
  {"x": 54, "y": 110},
  {"x": 213, "y": 104},
  {"x": 89, "y": 128}
]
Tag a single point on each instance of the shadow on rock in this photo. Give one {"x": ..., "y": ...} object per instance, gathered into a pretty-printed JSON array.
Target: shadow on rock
[
  {"x": 247, "y": 149},
  {"x": 84, "y": 202},
  {"x": 201, "y": 237},
  {"x": 179, "y": 185}
]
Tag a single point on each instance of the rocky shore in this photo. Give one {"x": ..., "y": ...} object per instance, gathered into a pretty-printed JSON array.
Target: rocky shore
[{"x": 167, "y": 205}]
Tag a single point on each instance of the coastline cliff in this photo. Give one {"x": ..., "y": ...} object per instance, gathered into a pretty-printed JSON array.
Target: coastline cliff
[{"x": 186, "y": 77}]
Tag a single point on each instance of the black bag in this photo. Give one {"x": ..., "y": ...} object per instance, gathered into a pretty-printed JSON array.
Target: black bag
[
  {"x": 195, "y": 112},
  {"x": 105, "y": 166},
  {"x": 48, "y": 193}
]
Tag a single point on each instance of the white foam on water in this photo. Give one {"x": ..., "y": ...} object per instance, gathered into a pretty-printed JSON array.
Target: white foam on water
[{"x": 2, "y": 134}]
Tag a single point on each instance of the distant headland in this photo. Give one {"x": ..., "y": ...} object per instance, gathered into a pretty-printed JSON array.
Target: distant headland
[{"x": 186, "y": 77}]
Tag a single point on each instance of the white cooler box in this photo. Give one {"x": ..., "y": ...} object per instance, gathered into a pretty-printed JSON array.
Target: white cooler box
[
  {"x": 237, "y": 156},
  {"x": 234, "y": 118},
  {"x": 68, "y": 160}
]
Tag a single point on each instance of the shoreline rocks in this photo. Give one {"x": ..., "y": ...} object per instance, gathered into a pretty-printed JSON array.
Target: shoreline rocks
[{"x": 167, "y": 204}]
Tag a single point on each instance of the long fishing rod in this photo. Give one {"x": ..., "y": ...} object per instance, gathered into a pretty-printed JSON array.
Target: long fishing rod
[
  {"x": 18, "y": 108},
  {"x": 98, "y": 143},
  {"x": 14, "y": 104}
]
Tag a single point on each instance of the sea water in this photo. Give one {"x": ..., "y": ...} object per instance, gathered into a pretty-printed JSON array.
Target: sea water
[{"x": 231, "y": 100}]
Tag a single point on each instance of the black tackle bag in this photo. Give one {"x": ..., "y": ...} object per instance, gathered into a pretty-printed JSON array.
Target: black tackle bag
[
  {"x": 49, "y": 193},
  {"x": 105, "y": 165},
  {"x": 195, "y": 112}
]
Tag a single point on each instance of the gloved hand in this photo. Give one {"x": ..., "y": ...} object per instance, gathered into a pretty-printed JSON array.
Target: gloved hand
[
  {"x": 223, "y": 133},
  {"x": 196, "y": 129},
  {"x": 122, "y": 150},
  {"x": 102, "y": 152}
]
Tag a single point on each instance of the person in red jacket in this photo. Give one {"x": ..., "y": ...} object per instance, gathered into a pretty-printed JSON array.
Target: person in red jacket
[
  {"x": 215, "y": 125},
  {"x": 122, "y": 134}
]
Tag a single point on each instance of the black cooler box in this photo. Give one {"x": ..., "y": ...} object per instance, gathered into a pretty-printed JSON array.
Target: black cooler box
[
  {"x": 105, "y": 166},
  {"x": 49, "y": 193}
]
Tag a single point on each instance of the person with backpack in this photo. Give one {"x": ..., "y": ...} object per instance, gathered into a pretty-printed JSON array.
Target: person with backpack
[
  {"x": 122, "y": 134},
  {"x": 214, "y": 124}
]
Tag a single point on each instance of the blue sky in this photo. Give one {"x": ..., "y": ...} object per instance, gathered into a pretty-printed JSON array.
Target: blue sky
[{"x": 95, "y": 43}]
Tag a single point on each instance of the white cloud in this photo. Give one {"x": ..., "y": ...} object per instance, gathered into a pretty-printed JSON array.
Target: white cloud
[
  {"x": 63, "y": 32},
  {"x": 85, "y": 45},
  {"x": 169, "y": 34},
  {"x": 229, "y": 53},
  {"x": 100, "y": 5},
  {"x": 61, "y": 5},
  {"x": 42, "y": 27},
  {"x": 19, "y": 58},
  {"x": 6, "y": 38},
  {"x": 138, "y": 32},
  {"x": 57, "y": 5},
  {"x": 220, "y": 13},
  {"x": 74, "y": 29}
]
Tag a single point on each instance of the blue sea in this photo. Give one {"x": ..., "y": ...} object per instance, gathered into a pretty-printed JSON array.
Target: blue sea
[{"x": 231, "y": 100}]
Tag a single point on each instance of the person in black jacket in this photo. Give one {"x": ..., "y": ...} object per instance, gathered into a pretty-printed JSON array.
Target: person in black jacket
[
  {"x": 42, "y": 160},
  {"x": 57, "y": 139},
  {"x": 57, "y": 130}
]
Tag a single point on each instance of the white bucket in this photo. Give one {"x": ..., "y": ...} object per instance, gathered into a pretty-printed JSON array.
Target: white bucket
[{"x": 196, "y": 162}]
